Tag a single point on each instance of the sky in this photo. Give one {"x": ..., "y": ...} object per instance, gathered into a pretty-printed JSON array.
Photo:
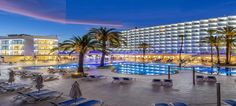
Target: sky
[{"x": 67, "y": 18}]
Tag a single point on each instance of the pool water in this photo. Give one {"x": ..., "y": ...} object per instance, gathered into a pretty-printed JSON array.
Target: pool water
[
  {"x": 62, "y": 66},
  {"x": 162, "y": 69},
  {"x": 146, "y": 69}
]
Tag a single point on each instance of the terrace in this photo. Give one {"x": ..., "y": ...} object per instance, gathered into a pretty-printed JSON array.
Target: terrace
[{"x": 139, "y": 92}]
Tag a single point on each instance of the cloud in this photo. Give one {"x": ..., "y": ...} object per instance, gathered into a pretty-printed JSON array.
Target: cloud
[{"x": 47, "y": 10}]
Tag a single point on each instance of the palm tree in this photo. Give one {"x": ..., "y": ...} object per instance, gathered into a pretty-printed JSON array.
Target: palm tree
[
  {"x": 181, "y": 48},
  {"x": 229, "y": 33},
  {"x": 109, "y": 38},
  {"x": 210, "y": 40},
  {"x": 216, "y": 43},
  {"x": 213, "y": 41},
  {"x": 79, "y": 45},
  {"x": 144, "y": 46}
]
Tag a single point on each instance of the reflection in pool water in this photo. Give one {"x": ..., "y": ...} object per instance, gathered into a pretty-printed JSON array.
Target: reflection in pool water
[
  {"x": 160, "y": 69},
  {"x": 146, "y": 69}
]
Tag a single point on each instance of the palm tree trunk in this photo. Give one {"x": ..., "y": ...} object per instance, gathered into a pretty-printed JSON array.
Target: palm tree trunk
[
  {"x": 218, "y": 54},
  {"x": 81, "y": 63},
  {"x": 144, "y": 50},
  {"x": 227, "y": 50},
  {"x": 230, "y": 53},
  {"x": 211, "y": 55},
  {"x": 102, "y": 63},
  {"x": 180, "y": 54},
  {"x": 102, "y": 59}
]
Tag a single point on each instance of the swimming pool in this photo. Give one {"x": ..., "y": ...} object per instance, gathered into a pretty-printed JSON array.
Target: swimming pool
[
  {"x": 162, "y": 69},
  {"x": 61, "y": 66},
  {"x": 145, "y": 69}
]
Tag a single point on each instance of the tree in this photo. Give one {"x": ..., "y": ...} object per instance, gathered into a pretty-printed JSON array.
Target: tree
[
  {"x": 217, "y": 43},
  {"x": 144, "y": 46},
  {"x": 210, "y": 40},
  {"x": 181, "y": 48},
  {"x": 213, "y": 41},
  {"x": 229, "y": 37},
  {"x": 109, "y": 38},
  {"x": 79, "y": 45}
]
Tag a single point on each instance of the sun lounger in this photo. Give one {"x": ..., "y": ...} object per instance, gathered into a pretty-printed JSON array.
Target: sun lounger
[
  {"x": 2, "y": 90},
  {"x": 230, "y": 102},
  {"x": 178, "y": 104},
  {"x": 200, "y": 78},
  {"x": 126, "y": 80},
  {"x": 69, "y": 102},
  {"x": 94, "y": 77},
  {"x": 211, "y": 79},
  {"x": 15, "y": 87},
  {"x": 3, "y": 81},
  {"x": 50, "y": 77},
  {"x": 167, "y": 83},
  {"x": 51, "y": 70},
  {"x": 161, "y": 104},
  {"x": 157, "y": 82},
  {"x": 32, "y": 98},
  {"x": 116, "y": 79},
  {"x": 91, "y": 103}
]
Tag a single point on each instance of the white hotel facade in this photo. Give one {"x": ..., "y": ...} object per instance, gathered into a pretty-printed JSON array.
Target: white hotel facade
[
  {"x": 19, "y": 47},
  {"x": 164, "y": 38}
]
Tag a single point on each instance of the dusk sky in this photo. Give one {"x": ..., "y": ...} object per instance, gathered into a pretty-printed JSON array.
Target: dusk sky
[{"x": 66, "y": 18}]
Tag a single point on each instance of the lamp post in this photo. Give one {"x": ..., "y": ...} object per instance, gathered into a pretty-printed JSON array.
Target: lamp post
[
  {"x": 193, "y": 75},
  {"x": 218, "y": 92},
  {"x": 2, "y": 60}
]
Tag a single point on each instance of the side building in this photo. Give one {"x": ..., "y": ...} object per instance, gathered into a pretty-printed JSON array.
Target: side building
[
  {"x": 22, "y": 47},
  {"x": 165, "y": 42}
]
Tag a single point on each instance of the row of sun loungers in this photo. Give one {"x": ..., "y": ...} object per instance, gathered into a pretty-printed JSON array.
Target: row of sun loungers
[
  {"x": 201, "y": 78},
  {"x": 27, "y": 74},
  {"x": 94, "y": 77},
  {"x": 122, "y": 79},
  {"x": 34, "y": 96},
  {"x": 228, "y": 102},
  {"x": 8, "y": 87},
  {"x": 165, "y": 82},
  {"x": 170, "y": 104},
  {"x": 30, "y": 74},
  {"x": 79, "y": 102},
  {"x": 49, "y": 77}
]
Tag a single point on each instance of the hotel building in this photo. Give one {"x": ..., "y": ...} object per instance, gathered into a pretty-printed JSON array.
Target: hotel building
[
  {"x": 24, "y": 47},
  {"x": 164, "y": 40}
]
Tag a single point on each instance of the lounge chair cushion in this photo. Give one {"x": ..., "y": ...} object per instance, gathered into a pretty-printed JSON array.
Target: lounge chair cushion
[
  {"x": 230, "y": 102},
  {"x": 69, "y": 102},
  {"x": 89, "y": 103},
  {"x": 179, "y": 104},
  {"x": 156, "y": 80},
  {"x": 161, "y": 104}
]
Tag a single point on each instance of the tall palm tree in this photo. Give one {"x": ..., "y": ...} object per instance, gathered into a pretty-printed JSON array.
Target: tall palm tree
[
  {"x": 109, "y": 38},
  {"x": 213, "y": 41},
  {"x": 144, "y": 46},
  {"x": 210, "y": 40},
  {"x": 217, "y": 43},
  {"x": 229, "y": 33},
  {"x": 79, "y": 45},
  {"x": 181, "y": 48}
]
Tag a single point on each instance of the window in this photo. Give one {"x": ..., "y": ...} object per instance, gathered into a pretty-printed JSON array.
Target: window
[
  {"x": 5, "y": 42},
  {"x": 17, "y": 42},
  {"x": 4, "y": 47}
]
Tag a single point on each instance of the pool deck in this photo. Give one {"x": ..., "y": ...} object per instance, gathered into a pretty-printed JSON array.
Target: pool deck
[{"x": 138, "y": 93}]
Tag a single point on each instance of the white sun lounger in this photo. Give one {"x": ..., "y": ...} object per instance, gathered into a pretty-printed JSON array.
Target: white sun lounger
[
  {"x": 167, "y": 83},
  {"x": 200, "y": 78},
  {"x": 156, "y": 82}
]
